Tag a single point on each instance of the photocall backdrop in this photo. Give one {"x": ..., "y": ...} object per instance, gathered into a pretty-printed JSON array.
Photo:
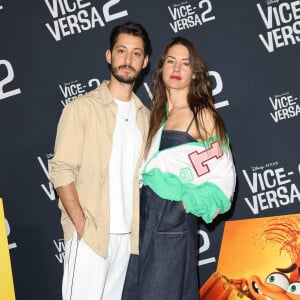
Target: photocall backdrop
[{"x": 52, "y": 51}]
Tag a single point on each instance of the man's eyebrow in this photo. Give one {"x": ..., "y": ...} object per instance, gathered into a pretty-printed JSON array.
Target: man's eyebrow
[{"x": 123, "y": 46}]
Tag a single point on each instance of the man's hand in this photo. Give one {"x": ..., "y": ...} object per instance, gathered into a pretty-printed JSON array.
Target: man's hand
[{"x": 80, "y": 228}]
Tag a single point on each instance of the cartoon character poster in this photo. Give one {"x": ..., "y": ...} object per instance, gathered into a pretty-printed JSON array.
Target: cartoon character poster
[{"x": 259, "y": 259}]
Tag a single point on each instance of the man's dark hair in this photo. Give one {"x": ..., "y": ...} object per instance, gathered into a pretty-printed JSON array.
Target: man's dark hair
[{"x": 134, "y": 29}]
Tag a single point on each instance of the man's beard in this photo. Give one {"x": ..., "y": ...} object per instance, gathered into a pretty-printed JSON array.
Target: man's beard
[{"x": 125, "y": 79}]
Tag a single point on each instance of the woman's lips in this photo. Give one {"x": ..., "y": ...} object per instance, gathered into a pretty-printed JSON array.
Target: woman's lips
[{"x": 175, "y": 77}]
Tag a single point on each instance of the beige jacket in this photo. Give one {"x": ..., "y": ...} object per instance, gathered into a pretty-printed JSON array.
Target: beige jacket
[{"x": 82, "y": 152}]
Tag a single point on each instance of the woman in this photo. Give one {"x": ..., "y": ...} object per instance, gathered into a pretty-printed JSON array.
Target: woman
[{"x": 188, "y": 173}]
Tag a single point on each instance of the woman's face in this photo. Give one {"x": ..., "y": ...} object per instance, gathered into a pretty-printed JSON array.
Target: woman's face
[{"x": 176, "y": 71}]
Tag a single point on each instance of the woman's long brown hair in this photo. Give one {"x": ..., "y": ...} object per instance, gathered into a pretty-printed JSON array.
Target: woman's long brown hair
[{"x": 199, "y": 96}]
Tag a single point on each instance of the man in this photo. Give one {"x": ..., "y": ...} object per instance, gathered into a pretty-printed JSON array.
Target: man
[{"x": 98, "y": 150}]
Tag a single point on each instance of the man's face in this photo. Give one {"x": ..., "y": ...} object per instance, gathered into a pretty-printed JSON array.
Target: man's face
[{"x": 127, "y": 58}]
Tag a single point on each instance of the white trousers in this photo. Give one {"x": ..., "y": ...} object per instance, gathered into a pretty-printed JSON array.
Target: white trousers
[{"x": 88, "y": 276}]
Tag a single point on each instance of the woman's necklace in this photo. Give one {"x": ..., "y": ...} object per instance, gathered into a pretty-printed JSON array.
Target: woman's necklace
[{"x": 174, "y": 112}]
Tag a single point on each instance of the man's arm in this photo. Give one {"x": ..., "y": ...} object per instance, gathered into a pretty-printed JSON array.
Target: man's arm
[
  {"x": 65, "y": 164},
  {"x": 69, "y": 198}
]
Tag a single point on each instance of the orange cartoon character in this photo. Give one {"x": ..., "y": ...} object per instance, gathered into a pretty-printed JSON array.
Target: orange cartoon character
[
  {"x": 277, "y": 286},
  {"x": 283, "y": 284},
  {"x": 284, "y": 231}
]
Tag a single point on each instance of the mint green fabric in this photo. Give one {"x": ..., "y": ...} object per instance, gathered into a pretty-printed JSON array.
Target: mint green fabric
[{"x": 202, "y": 201}]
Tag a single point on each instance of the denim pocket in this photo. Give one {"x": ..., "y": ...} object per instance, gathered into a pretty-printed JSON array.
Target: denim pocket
[{"x": 174, "y": 218}]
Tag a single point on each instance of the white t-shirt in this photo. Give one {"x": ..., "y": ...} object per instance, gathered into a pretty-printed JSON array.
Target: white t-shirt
[{"x": 127, "y": 141}]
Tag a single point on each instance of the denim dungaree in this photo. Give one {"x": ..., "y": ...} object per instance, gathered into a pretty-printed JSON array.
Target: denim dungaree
[{"x": 166, "y": 268}]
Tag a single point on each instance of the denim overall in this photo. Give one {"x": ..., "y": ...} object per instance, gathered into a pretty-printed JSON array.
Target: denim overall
[{"x": 166, "y": 268}]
